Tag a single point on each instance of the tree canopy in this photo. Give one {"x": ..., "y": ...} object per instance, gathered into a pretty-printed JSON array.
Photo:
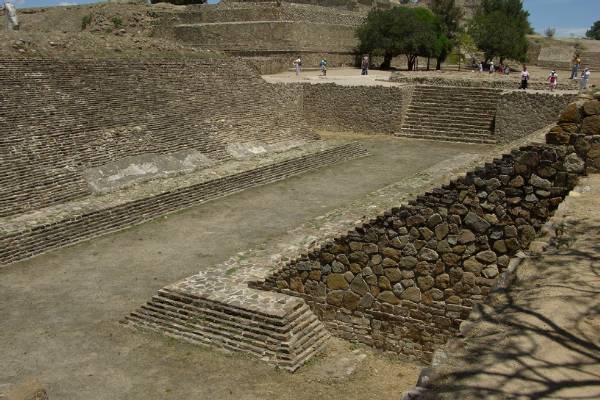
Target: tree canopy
[
  {"x": 410, "y": 31},
  {"x": 449, "y": 16},
  {"x": 594, "y": 31},
  {"x": 499, "y": 28}
]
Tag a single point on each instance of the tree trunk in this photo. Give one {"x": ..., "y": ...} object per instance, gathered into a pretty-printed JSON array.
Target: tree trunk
[
  {"x": 438, "y": 63},
  {"x": 428, "y": 63},
  {"x": 387, "y": 61},
  {"x": 410, "y": 62}
]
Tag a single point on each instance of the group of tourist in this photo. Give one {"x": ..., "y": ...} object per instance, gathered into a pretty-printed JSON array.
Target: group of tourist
[
  {"x": 553, "y": 79},
  {"x": 10, "y": 15},
  {"x": 364, "y": 65},
  {"x": 502, "y": 69}
]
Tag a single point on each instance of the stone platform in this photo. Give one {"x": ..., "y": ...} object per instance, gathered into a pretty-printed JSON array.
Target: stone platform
[{"x": 27, "y": 234}]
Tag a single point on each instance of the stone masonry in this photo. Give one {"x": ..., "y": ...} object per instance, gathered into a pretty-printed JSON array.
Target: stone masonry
[
  {"x": 78, "y": 115},
  {"x": 403, "y": 281}
]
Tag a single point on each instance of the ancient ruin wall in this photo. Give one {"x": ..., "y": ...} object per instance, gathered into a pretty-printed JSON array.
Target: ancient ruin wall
[
  {"x": 360, "y": 109},
  {"x": 519, "y": 113},
  {"x": 405, "y": 281},
  {"x": 62, "y": 118},
  {"x": 270, "y": 35}
]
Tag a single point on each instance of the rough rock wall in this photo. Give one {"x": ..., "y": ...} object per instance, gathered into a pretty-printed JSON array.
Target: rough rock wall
[
  {"x": 405, "y": 281},
  {"x": 360, "y": 109},
  {"x": 60, "y": 118},
  {"x": 520, "y": 113}
]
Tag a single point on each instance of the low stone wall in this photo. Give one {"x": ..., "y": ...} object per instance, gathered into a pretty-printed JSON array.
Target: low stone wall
[
  {"x": 62, "y": 227},
  {"x": 498, "y": 82},
  {"x": 519, "y": 113},
  {"x": 360, "y": 109},
  {"x": 406, "y": 280}
]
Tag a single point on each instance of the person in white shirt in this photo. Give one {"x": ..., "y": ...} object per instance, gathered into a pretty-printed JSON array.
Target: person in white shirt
[
  {"x": 10, "y": 14},
  {"x": 524, "y": 78},
  {"x": 585, "y": 78},
  {"x": 298, "y": 65}
]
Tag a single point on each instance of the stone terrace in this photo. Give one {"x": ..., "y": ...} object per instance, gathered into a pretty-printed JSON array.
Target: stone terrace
[{"x": 208, "y": 128}]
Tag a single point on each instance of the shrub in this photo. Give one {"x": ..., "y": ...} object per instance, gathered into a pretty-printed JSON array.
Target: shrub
[
  {"x": 550, "y": 32},
  {"x": 117, "y": 22},
  {"x": 86, "y": 21}
]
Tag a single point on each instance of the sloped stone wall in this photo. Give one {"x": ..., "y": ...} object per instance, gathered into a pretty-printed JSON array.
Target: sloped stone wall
[
  {"x": 519, "y": 113},
  {"x": 405, "y": 281},
  {"x": 61, "y": 118}
]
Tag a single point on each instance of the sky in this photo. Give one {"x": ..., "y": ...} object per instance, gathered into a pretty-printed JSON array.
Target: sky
[{"x": 569, "y": 17}]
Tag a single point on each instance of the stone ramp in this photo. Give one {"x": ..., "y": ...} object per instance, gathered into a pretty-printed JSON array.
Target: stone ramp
[{"x": 451, "y": 114}]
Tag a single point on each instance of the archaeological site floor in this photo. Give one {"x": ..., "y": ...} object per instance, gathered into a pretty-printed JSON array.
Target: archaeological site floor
[{"x": 62, "y": 309}]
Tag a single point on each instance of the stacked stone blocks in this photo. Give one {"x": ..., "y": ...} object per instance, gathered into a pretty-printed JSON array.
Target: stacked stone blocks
[{"x": 405, "y": 281}]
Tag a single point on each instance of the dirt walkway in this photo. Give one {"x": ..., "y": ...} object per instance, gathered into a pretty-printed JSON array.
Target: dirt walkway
[
  {"x": 541, "y": 339},
  {"x": 60, "y": 311}
]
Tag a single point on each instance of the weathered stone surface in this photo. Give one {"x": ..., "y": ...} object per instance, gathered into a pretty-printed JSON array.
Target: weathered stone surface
[
  {"x": 388, "y": 297},
  {"x": 337, "y": 281},
  {"x": 486, "y": 257},
  {"x": 466, "y": 236},
  {"x": 591, "y": 107},
  {"x": 408, "y": 262},
  {"x": 425, "y": 282},
  {"x": 366, "y": 301},
  {"x": 359, "y": 286},
  {"x": 398, "y": 289},
  {"x": 591, "y": 125},
  {"x": 428, "y": 255},
  {"x": 411, "y": 294},
  {"x": 491, "y": 271},
  {"x": 442, "y": 281},
  {"x": 574, "y": 164},
  {"x": 472, "y": 265},
  {"x": 476, "y": 223},
  {"x": 350, "y": 300},
  {"x": 393, "y": 274},
  {"x": 571, "y": 113},
  {"x": 335, "y": 297},
  {"x": 540, "y": 182}
]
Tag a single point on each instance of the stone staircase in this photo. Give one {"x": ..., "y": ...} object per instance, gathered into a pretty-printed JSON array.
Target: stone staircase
[
  {"x": 592, "y": 61},
  {"x": 281, "y": 330},
  {"x": 454, "y": 114}
]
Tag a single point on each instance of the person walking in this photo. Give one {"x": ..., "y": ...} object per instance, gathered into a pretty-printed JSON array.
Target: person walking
[
  {"x": 524, "y": 78},
  {"x": 298, "y": 65},
  {"x": 553, "y": 80},
  {"x": 364, "y": 65},
  {"x": 323, "y": 67},
  {"x": 480, "y": 67},
  {"x": 585, "y": 78},
  {"x": 575, "y": 66},
  {"x": 492, "y": 68},
  {"x": 10, "y": 14}
]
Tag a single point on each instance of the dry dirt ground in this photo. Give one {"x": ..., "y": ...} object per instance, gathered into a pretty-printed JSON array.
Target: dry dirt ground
[
  {"x": 60, "y": 310},
  {"x": 540, "y": 339},
  {"x": 104, "y": 31}
]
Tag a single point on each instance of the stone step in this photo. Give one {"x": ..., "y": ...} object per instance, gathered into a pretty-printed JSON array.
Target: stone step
[
  {"x": 485, "y": 107},
  {"x": 472, "y": 123},
  {"x": 447, "y": 132},
  {"x": 465, "y": 130},
  {"x": 449, "y": 113},
  {"x": 441, "y": 138},
  {"x": 286, "y": 339}
]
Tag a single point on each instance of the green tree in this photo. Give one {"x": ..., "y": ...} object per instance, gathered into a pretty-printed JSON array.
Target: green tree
[
  {"x": 594, "y": 32},
  {"x": 449, "y": 16},
  {"x": 410, "y": 31},
  {"x": 499, "y": 28}
]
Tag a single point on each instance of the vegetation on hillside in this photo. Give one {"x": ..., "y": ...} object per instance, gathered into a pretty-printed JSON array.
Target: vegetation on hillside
[
  {"x": 499, "y": 28},
  {"x": 412, "y": 32},
  {"x": 594, "y": 31}
]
